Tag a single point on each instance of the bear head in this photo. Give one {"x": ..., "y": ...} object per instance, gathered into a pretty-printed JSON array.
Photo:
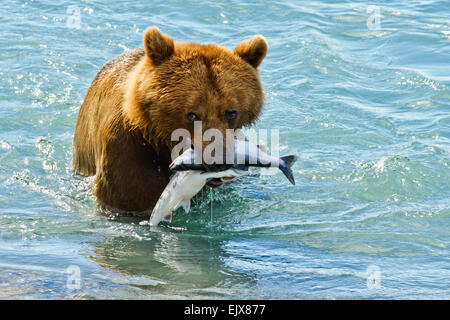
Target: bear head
[{"x": 177, "y": 84}]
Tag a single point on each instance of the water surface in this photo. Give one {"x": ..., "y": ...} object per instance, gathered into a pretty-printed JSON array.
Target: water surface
[{"x": 363, "y": 101}]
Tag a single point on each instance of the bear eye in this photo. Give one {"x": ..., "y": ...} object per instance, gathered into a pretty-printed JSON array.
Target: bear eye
[
  {"x": 231, "y": 115},
  {"x": 192, "y": 116}
]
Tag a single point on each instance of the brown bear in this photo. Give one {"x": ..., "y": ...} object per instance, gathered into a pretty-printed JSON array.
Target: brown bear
[{"x": 135, "y": 102}]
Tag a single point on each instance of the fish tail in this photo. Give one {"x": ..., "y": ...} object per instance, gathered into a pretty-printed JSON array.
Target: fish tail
[{"x": 285, "y": 167}]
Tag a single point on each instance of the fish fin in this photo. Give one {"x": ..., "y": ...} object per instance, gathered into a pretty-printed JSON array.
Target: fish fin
[
  {"x": 168, "y": 218},
  {"x": 176, "y": 206},
  {"x": 286, "y": 165},
  {"x": 186, "y": 205}
]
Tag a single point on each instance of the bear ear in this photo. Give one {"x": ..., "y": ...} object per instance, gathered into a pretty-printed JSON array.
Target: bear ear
[
  {"x": 158, "y": 46},
  {"x": 252, "y": 50}
]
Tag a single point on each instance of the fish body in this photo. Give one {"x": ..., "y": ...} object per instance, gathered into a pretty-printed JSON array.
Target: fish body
[
  {"x": 246, "y": 154},
  {"x": 183, "y": 186},
  {"x": 191, "y": 176}
]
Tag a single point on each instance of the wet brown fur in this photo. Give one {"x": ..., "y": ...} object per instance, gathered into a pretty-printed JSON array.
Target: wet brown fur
[{"x": 124, "y": 127}]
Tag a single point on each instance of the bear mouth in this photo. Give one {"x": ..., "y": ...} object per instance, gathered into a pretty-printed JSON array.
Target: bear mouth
[
  {"x": 217, "y": 182},
  {"x": 214, "y": 182},
  {"x": 227, "y": 178}
]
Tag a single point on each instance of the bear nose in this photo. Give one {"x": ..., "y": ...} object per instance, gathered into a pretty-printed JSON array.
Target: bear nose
[
  {"x": 214, "y": 131},
  {"x": 215, "y": 124}
]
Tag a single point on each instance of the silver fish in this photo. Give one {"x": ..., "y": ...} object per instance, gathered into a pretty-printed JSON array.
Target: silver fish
[
  {"x": 183, "y": 186},
  {"x": 246, "y": 154}
]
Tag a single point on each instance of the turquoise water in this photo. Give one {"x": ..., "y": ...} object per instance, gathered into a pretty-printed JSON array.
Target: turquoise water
[{"x": 362, "y": 98}]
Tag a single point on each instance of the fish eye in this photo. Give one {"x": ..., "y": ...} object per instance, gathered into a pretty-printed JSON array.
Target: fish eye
[
  {"x": 192, "y": 116},
  {"x": 231, "y": 115}
]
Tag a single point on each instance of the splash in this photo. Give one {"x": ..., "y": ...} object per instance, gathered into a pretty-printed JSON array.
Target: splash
[{"x": 211, "y": 198}]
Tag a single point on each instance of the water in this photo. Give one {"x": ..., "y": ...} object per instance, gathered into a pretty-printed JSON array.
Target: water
[{"x": 364, "y": 103}]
